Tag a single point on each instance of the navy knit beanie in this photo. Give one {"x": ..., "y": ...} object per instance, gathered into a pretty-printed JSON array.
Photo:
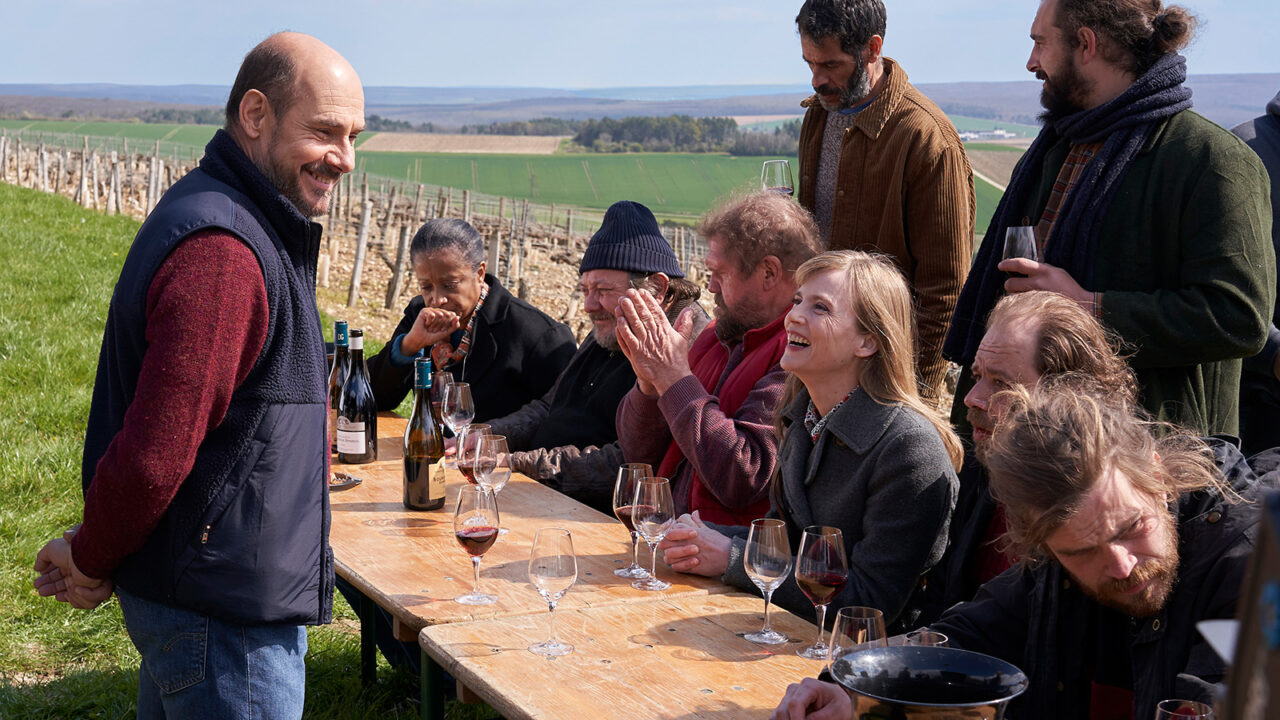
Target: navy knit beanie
[{"x": 629, "y": 239}]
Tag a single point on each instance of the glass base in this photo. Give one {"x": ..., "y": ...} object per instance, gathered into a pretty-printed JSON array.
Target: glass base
[
  {"x": 816, "y": 651},
  {"x": 551, "y": 648},
  {"x": 633, "y": 571},
  {"x": 652, "y": 584},
  {"x": 767, "y": 637},
  {"x": 475, "y": 598}
]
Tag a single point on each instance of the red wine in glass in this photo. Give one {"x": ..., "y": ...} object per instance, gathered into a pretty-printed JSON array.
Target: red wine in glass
[
  {"x": 626, "y": 512},
  {"x": 476, "y": 539},
  {"x": 468, "y": 470},
  {"x": 820, "y": 587}
]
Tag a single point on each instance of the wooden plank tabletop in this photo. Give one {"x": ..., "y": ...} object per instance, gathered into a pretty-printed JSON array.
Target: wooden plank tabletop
[
  {"x": 674, "y": 658},
  {"x": 411, "y": 565}
]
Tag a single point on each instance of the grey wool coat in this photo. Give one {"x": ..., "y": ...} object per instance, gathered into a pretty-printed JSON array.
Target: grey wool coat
[{"x": 882, "y": 475}]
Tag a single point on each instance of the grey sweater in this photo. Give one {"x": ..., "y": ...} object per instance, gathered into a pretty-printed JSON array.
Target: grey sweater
[{"x": 881, "y": 474}]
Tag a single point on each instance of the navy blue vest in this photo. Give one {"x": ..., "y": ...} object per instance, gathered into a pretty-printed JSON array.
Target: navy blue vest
[{"x": 246, "y": 538}]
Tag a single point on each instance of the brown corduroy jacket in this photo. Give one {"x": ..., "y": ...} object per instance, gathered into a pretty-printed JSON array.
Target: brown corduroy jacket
[{"x": 904, "y": 188}]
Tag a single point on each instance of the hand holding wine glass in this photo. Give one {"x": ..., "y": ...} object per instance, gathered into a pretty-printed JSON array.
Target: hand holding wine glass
[
  {"x": 775, "y": 176},
  {"x": 1020, "y": 242},
  {"x": 624, "y": 494},
  {"x": 821, "y": 572},
  {"x": 653, "y": 513},
  {"x": 475, "y": 525},
  {"x": 553, "y": 569},
  {"x": 767, "y": 561}
]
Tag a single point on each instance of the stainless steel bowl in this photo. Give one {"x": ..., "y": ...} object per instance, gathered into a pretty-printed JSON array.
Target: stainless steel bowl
[{"x": 938, "y": 683}]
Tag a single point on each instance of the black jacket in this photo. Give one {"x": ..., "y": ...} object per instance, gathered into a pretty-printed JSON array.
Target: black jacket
[
  {"x": 516, "y": 355},
  {"x": 1032, "y": 618}
]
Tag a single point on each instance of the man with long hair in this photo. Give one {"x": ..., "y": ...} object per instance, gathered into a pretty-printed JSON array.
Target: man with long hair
[{"x": 1144, "y": 213}]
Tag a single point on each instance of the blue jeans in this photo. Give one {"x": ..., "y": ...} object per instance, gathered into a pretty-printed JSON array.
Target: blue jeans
[{"x": 195, "y": 666}]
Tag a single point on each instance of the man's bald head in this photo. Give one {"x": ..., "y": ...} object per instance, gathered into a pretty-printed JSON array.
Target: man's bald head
[{"x": 278, "y": 67}]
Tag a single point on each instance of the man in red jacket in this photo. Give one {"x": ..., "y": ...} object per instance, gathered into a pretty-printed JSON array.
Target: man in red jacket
[{"x": 702, "y": 415}]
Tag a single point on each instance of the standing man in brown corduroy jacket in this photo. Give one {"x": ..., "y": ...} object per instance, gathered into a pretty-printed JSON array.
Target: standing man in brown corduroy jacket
[{"x": 882, "y": 168}]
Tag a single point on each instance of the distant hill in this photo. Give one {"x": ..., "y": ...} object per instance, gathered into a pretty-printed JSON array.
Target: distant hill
[{"x": 1225, "y": 99}]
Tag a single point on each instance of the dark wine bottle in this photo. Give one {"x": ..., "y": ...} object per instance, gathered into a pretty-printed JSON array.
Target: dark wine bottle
[
  {"x": 423, "y": 446},
  {"x": 357, "y": 411},
  {"x": 337, "y": 374}
]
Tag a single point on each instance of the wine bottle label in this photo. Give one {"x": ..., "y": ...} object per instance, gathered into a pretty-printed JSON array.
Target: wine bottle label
[
  {"x": 436, "y": 487},
  {"x": 352, "y": 442},
  {"x": 356, "y": 342}
]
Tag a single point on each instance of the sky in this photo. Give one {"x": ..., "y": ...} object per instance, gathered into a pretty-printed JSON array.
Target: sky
[{"x": 552, "y": 43}]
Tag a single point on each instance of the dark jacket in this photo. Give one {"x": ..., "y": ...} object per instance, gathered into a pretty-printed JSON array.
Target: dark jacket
[
  {"x": 567, "y": 439},
  {"x": 881, "y": 474},
  {"x": 1259, "y": 388},
  {"x": 952, "y": 580},
  {"x": 516, "y": 355},
  {"x": 1184, "y": 265},
  {"x": 245, "y": 538},
  {"x": 1032, "y": 618}
]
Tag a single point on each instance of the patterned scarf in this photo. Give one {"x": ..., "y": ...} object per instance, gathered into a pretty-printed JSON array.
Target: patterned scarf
[
  {"x": 444, "y": 354},
  {"x": 1123, "y": 125},
  {"x": 815, "y": 424}
]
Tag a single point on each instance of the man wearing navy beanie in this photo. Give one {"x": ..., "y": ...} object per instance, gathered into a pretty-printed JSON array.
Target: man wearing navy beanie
[{"x": 567, "y": 438}]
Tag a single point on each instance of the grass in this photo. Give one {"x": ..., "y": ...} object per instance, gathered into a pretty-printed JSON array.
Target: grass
[{"x": 59, "y": 266}]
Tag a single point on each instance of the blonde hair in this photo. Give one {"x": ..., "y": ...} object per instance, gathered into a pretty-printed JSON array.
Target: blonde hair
[{"x": 882, "y": 308}]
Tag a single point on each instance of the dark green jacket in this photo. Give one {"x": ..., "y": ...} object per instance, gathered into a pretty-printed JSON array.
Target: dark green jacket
[{"x": 1186, "y": 267}]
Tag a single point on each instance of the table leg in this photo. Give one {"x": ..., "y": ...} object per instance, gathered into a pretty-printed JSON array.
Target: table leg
[
  {"x": 368, "y": 645},
  {"x": 432, "y": 683}
]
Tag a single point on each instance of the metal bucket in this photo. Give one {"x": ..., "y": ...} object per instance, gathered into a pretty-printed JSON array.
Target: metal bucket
[{"x": 938, "y": 683}]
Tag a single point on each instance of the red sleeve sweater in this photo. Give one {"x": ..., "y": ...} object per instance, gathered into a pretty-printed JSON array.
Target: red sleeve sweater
[{"x": 206, "y": 324}]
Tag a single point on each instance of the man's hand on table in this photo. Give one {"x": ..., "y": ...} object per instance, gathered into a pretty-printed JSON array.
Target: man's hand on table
[{"x": 813, "y": 699}]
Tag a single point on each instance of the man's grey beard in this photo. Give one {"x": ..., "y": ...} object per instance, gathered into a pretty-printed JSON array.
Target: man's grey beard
[{"x": 858, "y": 87}]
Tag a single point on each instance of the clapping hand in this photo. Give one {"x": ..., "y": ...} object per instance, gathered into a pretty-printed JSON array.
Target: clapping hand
[
  {"x": 659, "y": 353},
  {"x": 60, "y": 577},
  {"x": 430, "y": 327}
]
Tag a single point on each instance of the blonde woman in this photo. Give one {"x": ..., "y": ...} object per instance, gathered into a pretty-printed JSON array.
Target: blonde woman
[{"x": 859, "y": 449}]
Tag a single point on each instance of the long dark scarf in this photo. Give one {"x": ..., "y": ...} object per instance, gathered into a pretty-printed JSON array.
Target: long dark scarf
[{"x": 1125, "y": 123}]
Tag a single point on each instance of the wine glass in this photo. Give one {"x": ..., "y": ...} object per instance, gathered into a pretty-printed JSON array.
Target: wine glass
[
  {"x": 467, "y": 446},
  {"x": 459, "y": 409},
  {"x": 475, "y": 525},
  {"x": 624, "y": 493},
  {"x": 857, "y": 628},
  {"x": 1020, "y": 242},
  {"x": 926, "y": 638},
  {"x": 493, "y": 463},
  {"x": 775, "y": 177},
  {"x": 653, "y": 514},
  {"x": 821, "y": 572},
  {"x": 441, "y": 381},
  {"x": 553, "y": 568},
  {"x": 1189, "y": 709},
  {"x": 767, "y": 562}
]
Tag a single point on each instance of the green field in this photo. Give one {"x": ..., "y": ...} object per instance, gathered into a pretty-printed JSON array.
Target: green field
[{"x": 194, "y": 135}]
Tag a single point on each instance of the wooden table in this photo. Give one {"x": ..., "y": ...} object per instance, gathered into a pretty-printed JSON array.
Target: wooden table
[
  {"x": 673, "y": 658},
  {"x": 409, "y": 564}
]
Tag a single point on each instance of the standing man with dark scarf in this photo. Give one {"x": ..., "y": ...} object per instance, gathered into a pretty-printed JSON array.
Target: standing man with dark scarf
[{"x": 1146, "y": 214}]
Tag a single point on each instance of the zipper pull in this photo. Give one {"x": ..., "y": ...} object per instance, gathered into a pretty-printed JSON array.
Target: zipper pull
[{"x": 204, "y": 536}]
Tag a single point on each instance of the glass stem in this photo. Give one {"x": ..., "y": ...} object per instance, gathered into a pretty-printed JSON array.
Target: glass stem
[
  {"x": 767, "y": 627},
  {"x": 551, "y": 609},
  {"x": 475, "y": 574},
  {"x": 635, "y": 549},
  {"x": 653, "y": 553},
  {"x": 822, "y": 622}
]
